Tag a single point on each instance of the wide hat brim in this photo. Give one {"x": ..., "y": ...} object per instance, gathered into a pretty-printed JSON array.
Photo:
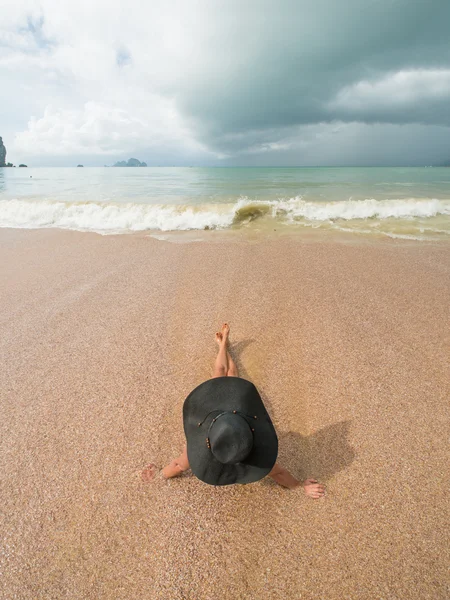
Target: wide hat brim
[{"x": 227, "y": 394}]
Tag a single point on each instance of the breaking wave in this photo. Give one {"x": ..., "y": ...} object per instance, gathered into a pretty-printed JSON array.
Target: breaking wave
[{"x": 115, "y": 217}]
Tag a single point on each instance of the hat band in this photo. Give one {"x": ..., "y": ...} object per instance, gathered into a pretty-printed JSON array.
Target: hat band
[{"x": 223, "y": 413}]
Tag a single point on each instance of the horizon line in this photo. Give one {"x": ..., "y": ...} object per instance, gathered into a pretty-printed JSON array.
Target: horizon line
[{"x": 235, "y": 167}]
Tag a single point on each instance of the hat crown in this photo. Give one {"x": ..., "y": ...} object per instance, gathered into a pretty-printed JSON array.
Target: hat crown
[{"x": 231, "y": 438}]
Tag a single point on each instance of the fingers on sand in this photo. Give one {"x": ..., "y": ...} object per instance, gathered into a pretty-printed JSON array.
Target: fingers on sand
[{"x": 314, "y": 489}]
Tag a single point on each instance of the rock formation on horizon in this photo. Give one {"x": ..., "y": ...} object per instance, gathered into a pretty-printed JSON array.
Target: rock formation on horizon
[
  {"x": 132, "y": 162},
  {"x": 2, "y": 153}
]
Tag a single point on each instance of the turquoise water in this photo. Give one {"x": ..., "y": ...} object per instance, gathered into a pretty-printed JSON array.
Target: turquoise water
[{"x": 411, "y": 202}]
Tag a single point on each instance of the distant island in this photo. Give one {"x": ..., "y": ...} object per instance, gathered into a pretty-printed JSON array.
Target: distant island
[
  {"x": 2, "y": 154},
  {"x": 79, "y": 165},
  {"x": 132, "y": 162},
  {"x": 3, "y": 162}
]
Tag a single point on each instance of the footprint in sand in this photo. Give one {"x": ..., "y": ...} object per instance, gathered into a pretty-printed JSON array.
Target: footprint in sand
[{"x": 148, "y": 474}]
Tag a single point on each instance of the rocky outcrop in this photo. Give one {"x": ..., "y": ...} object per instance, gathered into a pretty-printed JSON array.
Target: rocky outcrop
[
  {"x": 132, "y": 162},
  {"x": 2, "y": 154}
]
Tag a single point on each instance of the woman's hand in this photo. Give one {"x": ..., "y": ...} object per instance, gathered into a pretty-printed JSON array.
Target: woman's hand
[{"x": 313, "y": 488}]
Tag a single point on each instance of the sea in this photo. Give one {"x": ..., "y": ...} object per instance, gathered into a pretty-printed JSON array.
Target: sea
[{"x": 400, "y": 202}]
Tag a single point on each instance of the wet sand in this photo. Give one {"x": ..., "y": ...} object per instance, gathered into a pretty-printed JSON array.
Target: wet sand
[{"x": 102, "y": 338}]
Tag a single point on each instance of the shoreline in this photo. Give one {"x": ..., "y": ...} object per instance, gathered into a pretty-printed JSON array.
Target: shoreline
[
  {"x": 103, "y": 336},
  {"x": 282, "y": 233}
]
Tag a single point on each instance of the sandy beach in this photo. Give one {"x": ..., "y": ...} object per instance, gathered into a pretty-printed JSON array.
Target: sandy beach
[{"x": 103, "y": 337}]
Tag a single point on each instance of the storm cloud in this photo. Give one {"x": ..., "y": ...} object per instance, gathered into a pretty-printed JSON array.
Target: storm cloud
[{"x": 227, "y": 82}]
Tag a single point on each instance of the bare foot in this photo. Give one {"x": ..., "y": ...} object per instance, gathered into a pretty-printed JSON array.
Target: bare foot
[
  {"x": 225, "y": 332},
  {"x": 219, "y": 338},
  {"x": 149, "y": 473},
  {"x": 313, "y": 488}
]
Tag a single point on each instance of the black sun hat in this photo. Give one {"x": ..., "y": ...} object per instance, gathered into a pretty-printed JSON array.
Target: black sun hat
[{"x": 230, "y": 436}]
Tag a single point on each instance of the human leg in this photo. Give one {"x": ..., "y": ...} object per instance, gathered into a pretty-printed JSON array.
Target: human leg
[
  {"x": 221, "y": 363},
  {"x": 222, "y": 341},
  {"x": 232, "y": 368}
]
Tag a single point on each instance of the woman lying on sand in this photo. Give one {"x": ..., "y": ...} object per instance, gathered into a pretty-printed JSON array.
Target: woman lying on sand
[{"x": 230, "y": 436}]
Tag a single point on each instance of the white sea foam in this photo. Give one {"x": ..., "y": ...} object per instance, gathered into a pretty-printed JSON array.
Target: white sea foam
[
  {"x": 365, "y": 209},
  {"x": 109, "y": 217}
]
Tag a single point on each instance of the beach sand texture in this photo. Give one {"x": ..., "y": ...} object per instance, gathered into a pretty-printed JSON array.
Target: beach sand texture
[{"x": 103, "y": 337}]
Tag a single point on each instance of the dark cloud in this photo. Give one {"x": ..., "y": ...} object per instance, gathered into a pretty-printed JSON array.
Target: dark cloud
[
  {"x": 272, "y": 66},
  {"x": 230, "y": 81}
]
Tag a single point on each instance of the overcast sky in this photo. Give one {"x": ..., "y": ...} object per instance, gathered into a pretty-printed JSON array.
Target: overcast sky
[{"x": 225, "y": 82}]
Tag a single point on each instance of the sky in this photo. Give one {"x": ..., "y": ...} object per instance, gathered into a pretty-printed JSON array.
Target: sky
[{"x": 225, "y": 82}]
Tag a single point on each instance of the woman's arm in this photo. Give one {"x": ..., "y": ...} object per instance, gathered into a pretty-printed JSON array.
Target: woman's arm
[{"x": 282, "y": 476}]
